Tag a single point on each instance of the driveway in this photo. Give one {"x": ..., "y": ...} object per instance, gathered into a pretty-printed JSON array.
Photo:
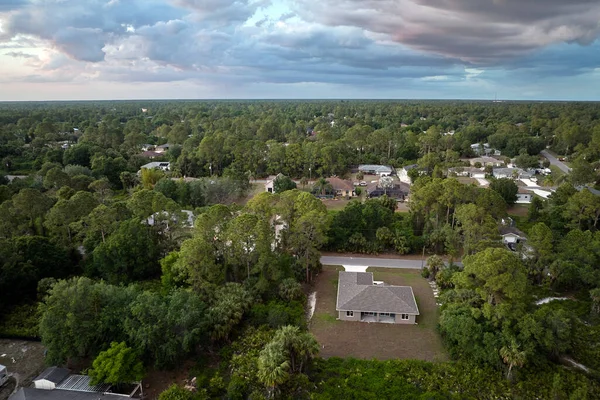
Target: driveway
[{"x": 554, "y": 161}]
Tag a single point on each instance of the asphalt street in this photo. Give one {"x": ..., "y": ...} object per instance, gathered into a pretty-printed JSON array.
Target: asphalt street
[{"x": 554, "y": 161}]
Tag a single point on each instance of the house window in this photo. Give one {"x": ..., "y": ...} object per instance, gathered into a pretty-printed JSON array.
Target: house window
[
  {"x": 349, "y": 313},
  {"x": 384, "y": 314},
  {"x": 404, "y": 317},
  {"x": 370, "y": 314}
]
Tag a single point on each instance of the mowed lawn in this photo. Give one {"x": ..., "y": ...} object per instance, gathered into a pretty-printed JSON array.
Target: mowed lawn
[{"x": 375, "y": 340}]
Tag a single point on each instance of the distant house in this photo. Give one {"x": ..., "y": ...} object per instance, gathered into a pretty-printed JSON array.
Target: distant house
[
  {"x": 381, "y": 170},
  {"x": 165, "y": 217},
  {"x": 147, "y": 147},
  {"x": 403, "y": 173},
  {"x": 151, "y": 154},
  {"x": 163, "y": 148},
  {"x": 511, "y": 235},
  {"x": 485, "y": 161},
  {"x": 162, "y": 165},
  {"x": 524, "y": 195},
  {"x": 343, "y": 188},
  {"x": 484, "y": 149},
  {"x": 270, "y": 184},
  {"x": 359, "y": 298},
  {"x": 471, "y": 172},
  {"x": 511, "y": 173},
  {"x": 397, "y": 191}
]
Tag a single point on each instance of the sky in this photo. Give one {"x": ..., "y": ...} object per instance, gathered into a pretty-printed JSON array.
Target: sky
[{"x": 243, "y": 49}]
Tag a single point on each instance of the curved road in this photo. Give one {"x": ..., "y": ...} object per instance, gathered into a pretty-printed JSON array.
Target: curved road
[{"x": 555, "y": 161}]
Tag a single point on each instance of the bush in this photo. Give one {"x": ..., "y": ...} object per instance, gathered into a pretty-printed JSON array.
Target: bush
[
  {"x": 276, "y": 314},
  {"x": 21, "y": 321}
]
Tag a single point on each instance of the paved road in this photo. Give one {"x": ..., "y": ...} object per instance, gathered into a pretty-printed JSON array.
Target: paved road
[
  {"x": 371, "y": 262},
  {"x": 554, "y": 161}
]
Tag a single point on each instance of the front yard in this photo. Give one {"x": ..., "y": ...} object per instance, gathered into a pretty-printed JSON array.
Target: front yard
[{"x": 375, "y": 340}]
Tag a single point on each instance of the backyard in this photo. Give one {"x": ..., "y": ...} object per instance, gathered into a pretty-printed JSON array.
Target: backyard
[{"x": 374, "y": 340}]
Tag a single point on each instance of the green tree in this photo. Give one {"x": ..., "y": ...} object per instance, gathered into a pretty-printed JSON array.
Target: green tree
[
  {"x": 31, "y": 204},
  {"x": 118, "y": 364},
  {"x": 91, "y": 314},
  {"x": 499, "y": 279},
  {"x": 507, "y": 188},
  {"x": 130, "y": 253},
  {"x": 283, "y": 183},
  {"x": 477, "y": 227},
  {"x": 512, "y": 356},
  {"x": 492, "y": 202}
]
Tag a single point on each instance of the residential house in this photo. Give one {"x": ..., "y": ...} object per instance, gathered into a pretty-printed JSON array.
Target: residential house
[
  {"x": 482, "y": 149},
  {"x": 485, "y": 161},
  {"x": 511, "y": 173},
  {"x": 166, "y": 217},
  {"x": 381, "y": 170},
  {"x": 524, "y": 195},
  {"x": 151, "y": 154},
  {"x": 58, "y": 384},
  {"x": 471, "y": 172},
  {"x": 343, "y": 188},
  {"x": 403, "y": 173},
  {"x": 359, "y": 298},
  {"x": 162, "y": 165},
  {"x": 163, "y": 148},
  {"x": 270, "y": 184},
  {"x": 397, "y": 191}
]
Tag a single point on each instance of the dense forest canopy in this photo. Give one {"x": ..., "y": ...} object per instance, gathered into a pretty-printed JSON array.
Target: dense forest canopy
[{"x": 155, "y": 267}]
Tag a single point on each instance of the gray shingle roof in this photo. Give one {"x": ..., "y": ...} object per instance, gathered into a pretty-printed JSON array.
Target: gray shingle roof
[
  {"x": 356, "y": 292},
  {"x": 57, "y": 394},
  {"x": 53, "y": 374}
]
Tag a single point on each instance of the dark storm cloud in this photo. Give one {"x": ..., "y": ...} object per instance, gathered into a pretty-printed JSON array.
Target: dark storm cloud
[{"x": 481, "y": 31}]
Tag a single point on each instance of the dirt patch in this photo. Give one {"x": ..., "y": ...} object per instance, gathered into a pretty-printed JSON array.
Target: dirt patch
[
  {"x": 380, "y": 341},
  {"x": 23, "y": 359},
  {"x": 520, "y": 210},
  {"x": 157, "y": 382}
]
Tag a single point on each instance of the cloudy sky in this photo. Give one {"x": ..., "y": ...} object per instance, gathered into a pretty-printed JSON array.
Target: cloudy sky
[{"x": 128, "y": 49}]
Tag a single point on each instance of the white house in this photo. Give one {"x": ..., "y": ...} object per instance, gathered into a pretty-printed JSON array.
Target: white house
[
  {"x": 381, "y": 170},
  {"x": 524, "y": 196},
  {"x": 162, "y": 165},
  {"x": 163, "y": 148},
  {"x": 485, "y": 161},
  {"x": 403, "y": 173},
  {"x": 471, "y": 172}
]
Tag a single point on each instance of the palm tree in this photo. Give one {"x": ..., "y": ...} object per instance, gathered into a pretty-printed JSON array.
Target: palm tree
[
  {"x": 273, "y": 367},
  {"x": 322, "y": 186},
  {"x": 513, "y": 356}
]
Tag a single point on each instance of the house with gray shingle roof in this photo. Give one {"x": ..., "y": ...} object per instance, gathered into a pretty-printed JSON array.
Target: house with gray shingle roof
[{"x": 359, "y": 298}]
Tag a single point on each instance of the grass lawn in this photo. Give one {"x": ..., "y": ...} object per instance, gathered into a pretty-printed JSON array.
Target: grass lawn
[
  {"x": 519, "y": 210},
  {"x": 374, "y": 340},
  {"x": 335, "y": 204}
]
